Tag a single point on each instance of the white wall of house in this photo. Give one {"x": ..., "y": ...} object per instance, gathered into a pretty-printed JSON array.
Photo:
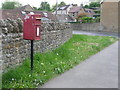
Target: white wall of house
[
  {"x": 61, "y": 12},
  {"x": 68, "y": 9},
  {"x": 64, "y": 11}
]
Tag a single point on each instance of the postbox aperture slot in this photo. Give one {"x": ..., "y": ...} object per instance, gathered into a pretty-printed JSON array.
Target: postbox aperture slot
[{"x": 37, "y": 18}]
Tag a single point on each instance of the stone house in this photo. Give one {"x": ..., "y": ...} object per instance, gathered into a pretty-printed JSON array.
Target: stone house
[
  {"x": 76, "y": 10},
  {"x": 109, "y": 15}
]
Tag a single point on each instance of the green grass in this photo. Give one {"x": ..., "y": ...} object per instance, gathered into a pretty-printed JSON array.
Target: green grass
[{"x": 52, "y": 63}]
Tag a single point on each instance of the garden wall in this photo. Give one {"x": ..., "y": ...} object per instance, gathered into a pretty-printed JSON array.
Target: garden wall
[
  {"x": 94, "y": 27},
  {"x": 15, "y": 49}
]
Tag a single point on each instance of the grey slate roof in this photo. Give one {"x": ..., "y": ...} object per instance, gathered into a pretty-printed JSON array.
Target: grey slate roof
[{"x": 63, "y": 7}]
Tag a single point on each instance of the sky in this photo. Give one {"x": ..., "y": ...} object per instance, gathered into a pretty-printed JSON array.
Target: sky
[{"x": 36, "y": 3}]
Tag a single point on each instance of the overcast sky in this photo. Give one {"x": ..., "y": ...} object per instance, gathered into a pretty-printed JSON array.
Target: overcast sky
[{"x": 36, "y": 3}]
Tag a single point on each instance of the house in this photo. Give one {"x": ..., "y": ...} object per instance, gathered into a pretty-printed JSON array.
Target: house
[
  {"x": 16, "y": 13},
  {"x": 76, "y": 10},
  {"x": 97, "y": 11},
  {"x": 109, "y": 15},
  {"x": 90, "y": 12},
  {"x": 63, "y": 10},
  {"x": 22, "y": 11}
]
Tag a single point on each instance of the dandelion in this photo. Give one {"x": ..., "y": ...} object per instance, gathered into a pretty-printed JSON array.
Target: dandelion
[
  {"x": 43, "y": 71},
  {"x": 13, "y": 79},
  {"x": 57, "y": 54},
  {"x": 42, "y": 63},
  {"x": 37, "y": 84},
  {"x": 41, "y": 81},
  {"x": 29, "y": 75}
]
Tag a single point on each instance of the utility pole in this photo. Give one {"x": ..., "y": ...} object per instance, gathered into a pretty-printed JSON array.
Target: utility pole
[{"x": 56, "y": 7}]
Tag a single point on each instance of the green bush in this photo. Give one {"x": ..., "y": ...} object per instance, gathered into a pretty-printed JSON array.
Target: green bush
[
  {"x": 97, "y": 12},
  {"x": 86, "y": 18}
]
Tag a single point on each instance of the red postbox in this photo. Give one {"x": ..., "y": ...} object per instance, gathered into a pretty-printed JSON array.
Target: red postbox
[{"x": 31, "y": 27}]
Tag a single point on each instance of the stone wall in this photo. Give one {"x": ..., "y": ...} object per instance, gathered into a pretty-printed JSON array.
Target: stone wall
[
  {"x": 94, "y": 27},
  {"x": 15, "y": 49},
  {"x": 85, "y": 26}
]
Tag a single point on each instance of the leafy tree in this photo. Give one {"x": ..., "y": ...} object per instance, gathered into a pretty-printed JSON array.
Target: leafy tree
[
  {"x": 10, "y": 5},
  {"x": 35, "y": 8},
  {"x": 94, "y": 4},
  {"x": 54, "y": 7},
  {"x": 59, "y": 5},
  {"x": 44, "y": 6},
  {"x": 86, "y": 6}
]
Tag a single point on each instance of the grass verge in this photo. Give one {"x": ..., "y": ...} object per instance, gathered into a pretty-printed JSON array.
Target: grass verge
[{"x": 50, "y": 64}]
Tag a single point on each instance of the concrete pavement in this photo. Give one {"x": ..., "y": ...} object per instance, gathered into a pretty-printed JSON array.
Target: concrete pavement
[
  {"x": 99, "y": 71},
  {"x": 96, "y": 33}
]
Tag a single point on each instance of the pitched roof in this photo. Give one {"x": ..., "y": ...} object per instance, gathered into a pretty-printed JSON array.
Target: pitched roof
[
  {"x": 13, "y": 14},
  {"x": 75, "y": 9},
  {"x": 89, "y": 11},
  {"x": 25, "y": 8},
  {"x": 63, "y": 7},
  {"x": 17, "y": 13},
  {"x": 46, "y": 14}
]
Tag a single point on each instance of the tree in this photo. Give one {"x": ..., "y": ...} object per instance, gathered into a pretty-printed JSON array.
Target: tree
[
  {"x": 59, "y": 5},
  {"x": 10, "y": 5},
  {"x": 86, "y": 6},
  {"x": 35, "y": 8},
  {"x": 54, "y": 7},
  {"x": 94, "y": 4},
  {"x": 44, "y": 6}
]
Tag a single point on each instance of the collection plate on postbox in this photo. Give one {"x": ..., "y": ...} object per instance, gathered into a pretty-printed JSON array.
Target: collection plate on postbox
[{"x": 31, "y": 27}]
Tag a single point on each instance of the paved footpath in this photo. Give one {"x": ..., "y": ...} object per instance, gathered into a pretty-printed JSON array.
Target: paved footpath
[
  {"x": 99, "y": 71},
  {"x": 96, "y": 33}
]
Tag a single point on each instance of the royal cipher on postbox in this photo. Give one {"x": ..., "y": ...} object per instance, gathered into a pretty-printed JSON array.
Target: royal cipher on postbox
[{"x": 31, "y": 27}]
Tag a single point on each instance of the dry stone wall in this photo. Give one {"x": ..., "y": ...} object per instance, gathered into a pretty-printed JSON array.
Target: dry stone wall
[
  {"x": 93, "y": 27},
  {"x": 15, "y": 49}
]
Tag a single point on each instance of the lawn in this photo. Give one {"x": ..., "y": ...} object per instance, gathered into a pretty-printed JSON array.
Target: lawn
[{"x": 52, "y": 63}]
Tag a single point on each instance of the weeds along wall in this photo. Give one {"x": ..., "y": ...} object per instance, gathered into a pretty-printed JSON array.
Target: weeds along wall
[{"x": 15, "y": 49}]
